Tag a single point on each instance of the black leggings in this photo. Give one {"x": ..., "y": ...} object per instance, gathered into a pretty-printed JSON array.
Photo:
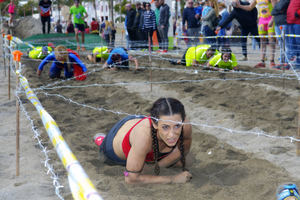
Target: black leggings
[{"x": 44, "y": 20}]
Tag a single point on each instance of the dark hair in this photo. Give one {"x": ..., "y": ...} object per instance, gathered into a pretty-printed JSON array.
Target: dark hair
[
  {"x": 225, "y": 50},
  {"x": 212, "y": 48},
  {"x": 115, "y": 57},
  {"x": 166, "y": 106}
]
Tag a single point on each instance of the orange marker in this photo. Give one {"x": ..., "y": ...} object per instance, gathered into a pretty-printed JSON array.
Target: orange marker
[
  {"x": 9, "y": 37},
  {"x": 17, "y": 55}
]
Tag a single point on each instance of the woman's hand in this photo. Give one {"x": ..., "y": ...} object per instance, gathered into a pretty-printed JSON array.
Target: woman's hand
[{"x": 182, "y": 177}]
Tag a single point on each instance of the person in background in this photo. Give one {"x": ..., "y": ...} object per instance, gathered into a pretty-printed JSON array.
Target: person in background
[
  {"x": 247, "y": 21},
  {"x": 138, "y": 23},
  {"x": 94, "y": 26},
  {"x": 163, "y": 24},
  {"x": 113, "y": 36},
  {"x": 11, "y": 11},
  {"x": 70, "y": 27},
  {"x": 130, "y": 16},
  {"x": 107, "y": 32},
  {"x": 149, "y": 24},
  {"x": 61, "y": 59},
  {"x": 293, "y": 20},
  {"x": 45, "y": 12},
  {"x": 208, "y": 22},
  {"x": 79, "y": 14},
  {"x": 58, "y": 27},
  {"x": 266, "y": 27},
  {"x": 157, "y": 7},
  {"x": 86, "y": 28},
  {"x": 279, "y": 15},
  {"x": 225, "y": 60},
  {"x": 222, "y": 32},
  {"x": 190, "y": 17}
]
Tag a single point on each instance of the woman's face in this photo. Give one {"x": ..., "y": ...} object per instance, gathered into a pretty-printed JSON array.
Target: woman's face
[
  {"x": 226, "y": 57},
  {"x": 148, "y": 6},
  {"x": 169, "y": 129}
]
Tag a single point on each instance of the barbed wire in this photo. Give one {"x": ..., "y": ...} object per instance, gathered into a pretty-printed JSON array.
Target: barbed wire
[
  {"x": 258, "y": 133},
  {"x": 47, "y": 164}
]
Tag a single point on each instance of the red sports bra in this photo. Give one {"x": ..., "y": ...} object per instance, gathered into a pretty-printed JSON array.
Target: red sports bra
[{"x": 126, "y": 144}]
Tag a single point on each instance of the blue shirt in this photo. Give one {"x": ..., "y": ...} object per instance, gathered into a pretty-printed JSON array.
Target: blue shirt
[
  {"x": 206, "y": 10},
  {"x": 198, "y": 10},
  {"x": 72, "y": 58},
  {"x": 120, "y": 51}
]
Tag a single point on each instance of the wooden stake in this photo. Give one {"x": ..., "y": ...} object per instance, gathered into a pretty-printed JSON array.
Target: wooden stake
[
  {"x": 9, "y": 73},
  {"x": 17, "y": 127}
]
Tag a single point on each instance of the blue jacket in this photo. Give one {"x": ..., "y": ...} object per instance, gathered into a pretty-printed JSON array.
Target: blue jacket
[{"x": 72, "y": 58}]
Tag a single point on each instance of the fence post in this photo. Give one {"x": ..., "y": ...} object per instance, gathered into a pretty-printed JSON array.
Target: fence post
[
  {"x": 298, "y": 137},
  {"x": 150, "y": 60},
  {"x": 17, "y": 57},
  {"x": 4, "y": 55}
]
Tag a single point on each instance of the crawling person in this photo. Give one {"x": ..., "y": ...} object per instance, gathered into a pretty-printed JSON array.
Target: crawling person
[
  {"x": 225, "y": 60},
  {"x": 99, "y": 54},
  {"x": 39, "y": 52},
  {"x": 163, "y": 139},
  {"x": 119, "y": 58},
  {"x": 198, "y": 55},
  {"x": 288, "y": 192},
  {"x": 61, "y": 59}
]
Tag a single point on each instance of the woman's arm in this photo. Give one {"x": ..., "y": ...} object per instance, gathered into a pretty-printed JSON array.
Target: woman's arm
[
  {"x": 135, "y": 61},
  {"x": 50, "y": 57},
  {"x": 136, "y": 160}
]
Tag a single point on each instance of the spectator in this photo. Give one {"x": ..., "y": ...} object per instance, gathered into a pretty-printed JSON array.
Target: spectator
[
  {"x": 206, "y": 8},
  {"x": 149, "y": 24},
  {"x": 157, "y": 7},
  {"x": 130, "y": 15},
  {"x": 209, "y": 22},
  {"x": 107, "y": 32},
  {"x": 293, "y": 20},
  {"x": 279, "y": 14},
  {"x": 58, "y": 27},
  {"x": 46, "y": 12},
  {"x": 138, "y": 24},
  {"x": 247, "y": 21},
  {"x": 70, "y": 27},
  {"x": 94, "y": 26},
  {"x": 79, "y": 14},
  {"x": 189, "y": 16},
  {"x": 163, "y": 25},
  {"x": 222, "y": 41},
  {"x": 11, "y": 11},
  {"x": 113, "y": 36},
  {"x": 86, "y": 28},
  {"x": 265, "y": 27}
]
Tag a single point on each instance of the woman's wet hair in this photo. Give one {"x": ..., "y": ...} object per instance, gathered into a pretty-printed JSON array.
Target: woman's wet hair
[
  {"x": 61, "y": 53},
  {"x": 116, "y": 57},
  {"x": 166, "y": 107}
]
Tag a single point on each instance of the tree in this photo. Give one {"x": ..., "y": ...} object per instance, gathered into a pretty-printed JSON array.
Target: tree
[{"x": 111, "y": 10}]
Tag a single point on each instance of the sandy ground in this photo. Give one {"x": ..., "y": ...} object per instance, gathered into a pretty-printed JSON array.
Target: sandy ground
[{"x": 224, "y": 165}]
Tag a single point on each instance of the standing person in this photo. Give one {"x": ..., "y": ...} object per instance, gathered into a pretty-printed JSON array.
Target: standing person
[
  {"x": 222, "y": 41},
  {"x": 163, "y": 25},
  {"x": 247, "y": 20},
  {"x": 138, "y": 23},
  {"x": 79, "y": 14},
  {"x": 157, "y": 12},
  {"x": 265, "y": 27},
  {"x": 208, "y": 22},
  {"x": 189, "y": 16},
  {"x": 279, "y": 14},
  {"x": 293, "y": 20},
  {"x": 46, "y": 12},
  {"x": 113, "y": 36},
  {"x": 11, "y": 11},
  {"x": 130, "y": 16},
  {"x": 160, "y": 139},
  {"x": 149, "y": 24},
  {"x": 107, "y": 32}
]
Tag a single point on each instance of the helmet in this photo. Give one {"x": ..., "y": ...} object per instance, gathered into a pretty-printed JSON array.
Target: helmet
[{"x": 287, "y": 190}]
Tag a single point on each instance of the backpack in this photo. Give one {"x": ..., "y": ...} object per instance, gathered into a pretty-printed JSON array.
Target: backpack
[{"x": 78, "y": 73}]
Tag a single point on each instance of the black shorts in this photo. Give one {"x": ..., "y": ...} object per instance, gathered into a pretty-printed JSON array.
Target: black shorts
[{"x": 80, "y": 27}]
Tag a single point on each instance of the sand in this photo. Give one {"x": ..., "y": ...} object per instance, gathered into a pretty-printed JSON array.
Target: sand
[{"x": 224, "y": 165}]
